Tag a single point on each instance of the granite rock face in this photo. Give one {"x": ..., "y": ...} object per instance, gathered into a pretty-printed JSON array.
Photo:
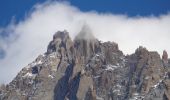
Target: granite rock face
[
  {"x": 88, "y": 69},
  {"x": 165, "y": 58}
]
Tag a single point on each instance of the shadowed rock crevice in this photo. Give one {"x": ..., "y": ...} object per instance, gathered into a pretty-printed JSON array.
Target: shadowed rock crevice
[
  {"x": 62, "y": 87},
  {"x": 66, "y": 87},
  {"x": 73, "y": 87}
]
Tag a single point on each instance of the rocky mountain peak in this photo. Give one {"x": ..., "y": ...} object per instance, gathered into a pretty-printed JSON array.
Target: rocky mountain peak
[
  {"x": 165, "y": 56},
  {"x": 88, "y": 69},
  {"x": 63, "y": 35},
  {"x": 141, "y": 50},
  {"x": 60, "y": 39},
  {"x": 165, "y": 59}
]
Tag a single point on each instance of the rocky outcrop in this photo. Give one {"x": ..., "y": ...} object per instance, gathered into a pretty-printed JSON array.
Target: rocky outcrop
[
  {"x": 147, "y": 70},
  {"x": 165, "y": 59},
  {"x": 88, "y": 69},
  {"x": 165, "y": 56}
]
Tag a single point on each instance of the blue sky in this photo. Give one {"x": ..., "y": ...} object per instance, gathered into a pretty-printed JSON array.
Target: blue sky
[{"x": 17, "y": 9}]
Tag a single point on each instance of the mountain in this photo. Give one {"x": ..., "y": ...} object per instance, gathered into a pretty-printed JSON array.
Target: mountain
[{"x": 88, "y": 69}]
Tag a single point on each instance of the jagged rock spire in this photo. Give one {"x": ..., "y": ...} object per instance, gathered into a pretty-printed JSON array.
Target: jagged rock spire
[
  {"x": 165, "y": 57},
  {"x": 60, "y": 39},
  {"x": 141, "y": 49},
  {"x": 85, "y": 43},
  {"x": 64, "y": 35}
]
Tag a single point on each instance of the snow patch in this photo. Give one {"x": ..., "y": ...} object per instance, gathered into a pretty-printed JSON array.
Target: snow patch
[
  {"x": 111, "y": 67},
  {"x": 96, "y": 76},
  {"x": 166, "y": 75},
  {"x": 135, "y": 94},
  {"x": 27, "y": 67},
  {"x": 156, "y": 85},
  {"x": 28, "y": 75},
  {"x": 39, "y": 62},
  {"x": 116, "y": 90},
  {"x": 97, "y": 55},
  {"x": 137, "y": 98},
  {"x": 118, "y": 86},
  {"x": 99, "y": 98},
  {"x": 31, "y": 82},
  {"x": 50, "y": 76},
  {"x": 147, "y": 77},
  {"x": 54, "y": 55}
]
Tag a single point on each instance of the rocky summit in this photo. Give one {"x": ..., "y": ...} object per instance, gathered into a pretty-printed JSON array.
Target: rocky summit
[{"x": 88, "y": 69}]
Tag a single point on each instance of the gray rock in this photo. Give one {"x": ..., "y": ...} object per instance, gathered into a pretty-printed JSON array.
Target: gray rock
[{"x": 87, "y": 69}]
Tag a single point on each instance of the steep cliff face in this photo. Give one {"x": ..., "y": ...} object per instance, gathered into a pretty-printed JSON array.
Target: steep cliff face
[{"x": 87, "y": 69}]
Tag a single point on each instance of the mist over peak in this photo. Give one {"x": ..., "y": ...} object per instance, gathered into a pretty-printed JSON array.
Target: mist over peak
[{"x": 85, "y": 33}]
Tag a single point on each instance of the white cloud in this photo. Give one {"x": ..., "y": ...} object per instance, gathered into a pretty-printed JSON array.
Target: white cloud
[{"x": 31, "y": 36}]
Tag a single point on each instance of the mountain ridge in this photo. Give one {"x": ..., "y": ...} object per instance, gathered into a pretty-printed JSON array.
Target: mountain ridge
[{"x": 87, "y": 69}]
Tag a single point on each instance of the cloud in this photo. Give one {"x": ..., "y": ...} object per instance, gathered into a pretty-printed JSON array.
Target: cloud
[{"x": 30, "y": 37}]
